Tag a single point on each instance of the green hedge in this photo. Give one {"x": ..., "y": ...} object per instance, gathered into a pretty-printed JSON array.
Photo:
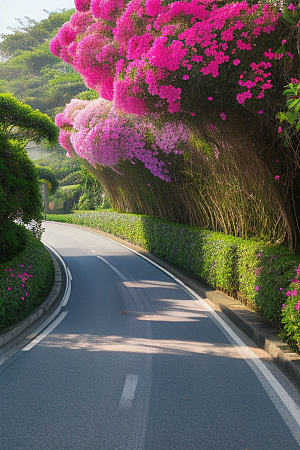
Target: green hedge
[
  {"x": 32, "y": 268},
  {"x": 254, "y": 272}
]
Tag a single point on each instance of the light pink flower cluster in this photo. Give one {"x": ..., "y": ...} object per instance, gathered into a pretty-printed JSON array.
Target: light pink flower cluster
[
  {"x": 97, "y": 132},
  {"x": 132, "y": 51}
]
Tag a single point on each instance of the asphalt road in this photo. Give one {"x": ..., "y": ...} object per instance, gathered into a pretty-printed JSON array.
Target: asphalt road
[{"x": 136, "y": 362}]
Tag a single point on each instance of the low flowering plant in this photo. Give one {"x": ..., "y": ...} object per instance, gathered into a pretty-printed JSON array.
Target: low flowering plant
[{"x": 291, "y": 312}]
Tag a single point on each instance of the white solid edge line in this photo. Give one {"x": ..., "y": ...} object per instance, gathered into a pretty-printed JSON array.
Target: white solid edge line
[
  {"x": 68, "y": 278},
  {"x": 128, "y": 391},
  {"x": 46, "y": 331}
]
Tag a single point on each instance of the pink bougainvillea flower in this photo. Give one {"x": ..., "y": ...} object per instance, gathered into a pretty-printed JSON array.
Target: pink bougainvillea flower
[
  {"x": 283, "y": 41},
  {"x": 290, "y": 55},
  {"x": 288, "y": 293},
  {"x": 9, "y": 288},
  {"x": 210, "y": 99},
  {"x": 283, "y": 306},
  {"x": 256, "y": 288},
  {"x": 192, "y": 113},
  {"x": 294, "y": 293},
  {"x": 280, "y": 289},
  {"x": 297, "y": 306},
  {"x": 22, "y": 298},
  {"x": 260, "y": 111},
  {"x": 279, "y": 129},
  {"x": 223, "y": 116},
  {"x": 291, "y": 7},
  {"x": 236, "y": 62},
  {"x": 277, "y": 177},
  {"x": 185, "y": 77}
]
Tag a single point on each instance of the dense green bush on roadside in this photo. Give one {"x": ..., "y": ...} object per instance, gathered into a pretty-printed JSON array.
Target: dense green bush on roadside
[
  {"x": 254, "y": 272},
  {"x": 25, "y": 281}
]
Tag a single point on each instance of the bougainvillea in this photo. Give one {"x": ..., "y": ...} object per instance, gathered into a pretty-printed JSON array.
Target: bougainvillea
[
  {"x": 291, "y": 311},
  {"x": 132, "y": 52},
  {"x": 97, "y": 132}
]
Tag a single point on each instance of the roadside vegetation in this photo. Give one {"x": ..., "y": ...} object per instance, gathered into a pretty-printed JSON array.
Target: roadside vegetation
[{"x": 26, "y": 269}]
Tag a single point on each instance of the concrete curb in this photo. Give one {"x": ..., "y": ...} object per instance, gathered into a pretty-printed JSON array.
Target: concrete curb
[
  {"x": 260, "y": 330},
  {"x": 10, "y": 333}
]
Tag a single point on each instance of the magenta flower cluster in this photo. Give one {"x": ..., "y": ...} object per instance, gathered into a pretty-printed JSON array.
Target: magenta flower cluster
[
  {"x": 132, "y": 51},
  {"x": 17, "y": 281},
  {"x": 294, "y": 292},
  {"x": 99, "y": 133}
]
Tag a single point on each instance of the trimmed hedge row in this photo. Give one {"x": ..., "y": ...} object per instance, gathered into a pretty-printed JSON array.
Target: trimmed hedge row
[
  {"x": 25, "y": 282},
  {"x": 256, "y": 273}
]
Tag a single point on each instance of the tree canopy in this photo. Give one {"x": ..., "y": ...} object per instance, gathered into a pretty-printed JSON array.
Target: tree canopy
[
  {"x": 31, "y": 73},
  {"x": 20, "y": 196}
]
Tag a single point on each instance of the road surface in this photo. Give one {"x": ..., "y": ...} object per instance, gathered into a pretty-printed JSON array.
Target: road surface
[{"x": 134, "y": 361}]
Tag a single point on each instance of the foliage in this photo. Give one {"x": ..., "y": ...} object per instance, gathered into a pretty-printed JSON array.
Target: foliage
[
  {"x": 28, "y": 36},
  {"x": 20, "y": 197},
  {"x": 46, "y": 173},
  {"x": 61, "y": 166},
  {"x": 252, "y": 271},
  {"x": 290, "y": 312},
  {"x": 19, "y": 121},
  {"x": 65, "y": 198},
  {"x": 30, "y": 272},
  {"x": 19, "y": 183}
]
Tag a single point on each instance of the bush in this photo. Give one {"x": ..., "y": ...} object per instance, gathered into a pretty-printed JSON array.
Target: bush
[
  {"x": 14, "y": 238},
  {"x": 25, "y": 281},
  {"x": 252, "y": 271}
]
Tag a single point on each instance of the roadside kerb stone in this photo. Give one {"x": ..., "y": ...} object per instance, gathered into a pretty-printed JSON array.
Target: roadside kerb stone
[{"x": 10, "y": 333}]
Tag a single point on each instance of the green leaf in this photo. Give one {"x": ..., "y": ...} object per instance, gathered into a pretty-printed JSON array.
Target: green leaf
[{"x": 286, "y": 16}]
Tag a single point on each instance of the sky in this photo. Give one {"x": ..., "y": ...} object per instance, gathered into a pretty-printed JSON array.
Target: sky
[{"x": 11, "y": 9}]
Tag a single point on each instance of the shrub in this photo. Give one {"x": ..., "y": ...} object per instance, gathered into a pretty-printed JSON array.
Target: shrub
[
  {"x": 25, "y": 281},
  {"x": 290, "y": 313}
]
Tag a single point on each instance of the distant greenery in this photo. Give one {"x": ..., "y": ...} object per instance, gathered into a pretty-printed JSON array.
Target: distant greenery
[
  {"x": 47, "y": 174},
  {"x": 31, "y": 73},
  {"x": 32, "y": 268},
  {"x": 78, "y": 188},
  {"x": 251, "y": 271}
]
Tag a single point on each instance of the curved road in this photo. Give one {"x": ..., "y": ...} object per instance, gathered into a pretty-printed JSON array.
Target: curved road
[{"x": 136, "y": 362}]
